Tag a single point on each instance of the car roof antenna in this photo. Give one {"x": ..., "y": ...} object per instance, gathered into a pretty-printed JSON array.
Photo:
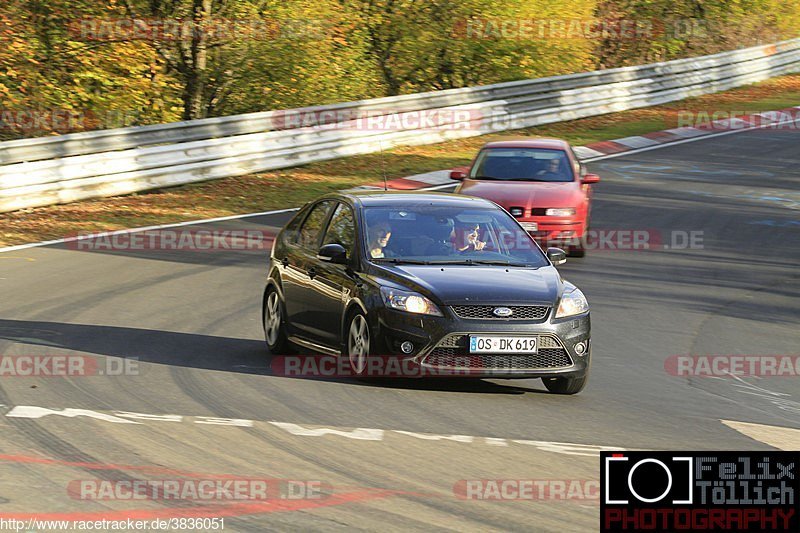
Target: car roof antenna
[{"x": 383, "y": 167}]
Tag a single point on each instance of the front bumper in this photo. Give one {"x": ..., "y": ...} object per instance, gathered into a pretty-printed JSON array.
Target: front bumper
[
  {"x": 441, "y": 344},
  {"x": 551, "y": 231}
]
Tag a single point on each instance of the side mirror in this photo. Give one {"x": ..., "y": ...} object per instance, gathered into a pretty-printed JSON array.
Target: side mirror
[
  {"x": 459, "y": 173},
  {"x": 588, "y": 179},
  {"x": 557, "y": 256},
  {"x": 333, "y": 253}
]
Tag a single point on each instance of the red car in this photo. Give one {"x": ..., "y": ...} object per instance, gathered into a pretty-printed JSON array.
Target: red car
[{"x": 540, "y": 182}]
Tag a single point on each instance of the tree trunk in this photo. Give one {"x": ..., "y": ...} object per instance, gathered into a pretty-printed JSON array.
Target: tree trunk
[{"x": 194, "y": 95}]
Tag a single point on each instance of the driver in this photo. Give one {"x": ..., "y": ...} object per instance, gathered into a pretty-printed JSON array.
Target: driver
[
  {"x": 379, "y": 235},
  {"x": 552, "y": 171}
]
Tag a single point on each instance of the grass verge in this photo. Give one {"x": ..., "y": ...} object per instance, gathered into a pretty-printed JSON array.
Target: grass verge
[{"x": 292, "y": 187}]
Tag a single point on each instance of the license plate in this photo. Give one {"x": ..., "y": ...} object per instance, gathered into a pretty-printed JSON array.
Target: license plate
[
  {"x": 502, "y": 344},
  {"x": 529, "y": 226}
]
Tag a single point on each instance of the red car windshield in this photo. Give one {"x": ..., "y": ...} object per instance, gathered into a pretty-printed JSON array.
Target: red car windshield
[{"x": 522, "y": 164}]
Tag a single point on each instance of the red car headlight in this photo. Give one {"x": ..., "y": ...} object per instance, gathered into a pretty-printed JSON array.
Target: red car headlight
[{"x": 560, "y": 212}]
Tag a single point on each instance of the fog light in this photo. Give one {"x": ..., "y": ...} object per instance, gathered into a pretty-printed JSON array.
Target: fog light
[
  {"x": 407, "y": 347},
  {"x": 580, "y": 348}
]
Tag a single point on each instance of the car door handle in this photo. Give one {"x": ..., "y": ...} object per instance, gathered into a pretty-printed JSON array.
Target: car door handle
[{"x": 312, "y": 272}]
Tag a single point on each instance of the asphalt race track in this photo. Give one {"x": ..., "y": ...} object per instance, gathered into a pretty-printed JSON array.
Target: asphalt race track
[{"x": 193, "y": 321}]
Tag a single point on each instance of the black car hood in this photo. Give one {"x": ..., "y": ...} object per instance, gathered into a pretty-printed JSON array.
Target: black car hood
[{"x": 454, "y": 284}]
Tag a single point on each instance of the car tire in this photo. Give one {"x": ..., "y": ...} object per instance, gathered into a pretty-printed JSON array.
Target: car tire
[
  {"x": 357, "y": 343},
  {"x": 566, "y": 385},
  {"x": 578, "y": 251},
  {"x": 273, "y": 320}
]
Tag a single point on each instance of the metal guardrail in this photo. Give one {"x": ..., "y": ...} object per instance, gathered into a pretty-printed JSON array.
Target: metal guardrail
[{"x": 50, "y": 170}]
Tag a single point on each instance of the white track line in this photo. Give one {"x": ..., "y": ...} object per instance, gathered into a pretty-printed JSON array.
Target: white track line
[
  {"x": 691, "y": 140},
  {"x": 435, "y": 187},
  {"x": 783, "y": 438},
  {"x": 137, "y": 230}
]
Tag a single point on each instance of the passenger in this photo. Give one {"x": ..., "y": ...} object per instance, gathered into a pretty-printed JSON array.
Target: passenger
[{"x": 469, "y": 241}]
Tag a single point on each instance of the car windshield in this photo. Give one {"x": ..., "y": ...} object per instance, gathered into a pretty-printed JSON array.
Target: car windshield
[
  {"x": 522, "y": 164},
  {"x": 430, "y": 234}
]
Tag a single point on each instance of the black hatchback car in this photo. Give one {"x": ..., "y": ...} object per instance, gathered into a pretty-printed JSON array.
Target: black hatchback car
[{"x": 446, "y": 282}]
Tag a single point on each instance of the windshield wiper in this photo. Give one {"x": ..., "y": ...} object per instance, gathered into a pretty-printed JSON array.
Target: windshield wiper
[
  {"x": 399, "y": 261},
  {"x": 536, "y": 179},
  {"x": 480, "y": 262},
  {"x": 495, "y": 262},
  {"x": 484, "y": 178}
]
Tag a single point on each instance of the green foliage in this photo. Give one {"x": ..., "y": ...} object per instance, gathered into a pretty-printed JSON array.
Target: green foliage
[
  {"x": 682, "y": 28},
  {"x": 238, "y": 56}
]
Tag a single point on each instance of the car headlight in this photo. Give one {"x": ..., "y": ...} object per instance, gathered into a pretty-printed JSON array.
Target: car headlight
[
  {"x": 408, "y": 301},
  {"x": 560, "y": 212},
  {"x": 572, "y": 303}
]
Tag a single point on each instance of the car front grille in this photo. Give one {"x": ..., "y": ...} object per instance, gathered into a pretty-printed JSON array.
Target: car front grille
[
  {"x": 486, "y": 312},
  {"x": 453, "y": 353}
]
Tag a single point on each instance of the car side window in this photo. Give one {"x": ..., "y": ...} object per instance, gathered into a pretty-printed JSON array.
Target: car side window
[
  {"x": 342, "y": 229},
  {"x": 290, "y": 233},
  {"x": 312, "y": 226}
]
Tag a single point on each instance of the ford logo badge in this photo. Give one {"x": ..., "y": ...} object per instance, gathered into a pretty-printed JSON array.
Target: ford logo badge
[{"x": 502, "y": 312}]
